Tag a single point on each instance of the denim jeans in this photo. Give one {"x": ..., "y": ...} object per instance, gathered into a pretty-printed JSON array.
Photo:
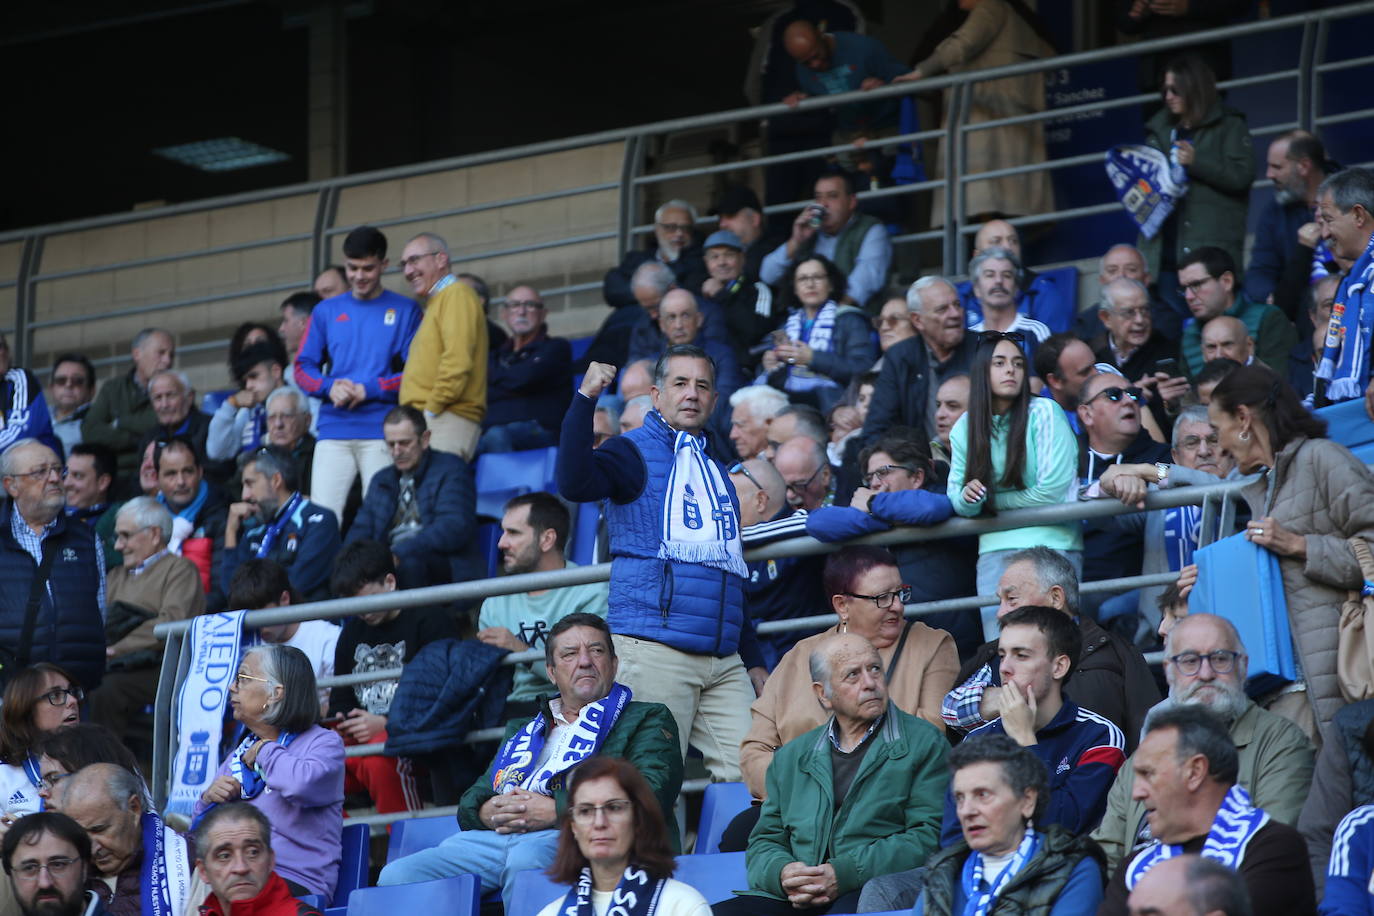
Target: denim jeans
[{"x": 495, "y": 858}]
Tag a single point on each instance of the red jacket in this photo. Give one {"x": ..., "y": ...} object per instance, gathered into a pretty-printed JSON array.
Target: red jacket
[{"x": 273, "y": 900}]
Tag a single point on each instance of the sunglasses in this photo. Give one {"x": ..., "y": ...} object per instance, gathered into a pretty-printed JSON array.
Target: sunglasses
[
  {"x": 993, "y": 337},
  {"x": 1116, "y": 393}
]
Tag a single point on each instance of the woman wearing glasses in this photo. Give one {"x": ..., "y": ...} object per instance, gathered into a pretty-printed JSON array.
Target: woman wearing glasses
[
  {"x": 1212, "y": 144},
  {"x": 1011, "y": 451},
  {"x": 1312, "y": 496},
  {"x": 823, "y": 343},
  {"x": 291, "y": 768},
  {"x": 866, "y": 592},
  {"x": 612, "y": 843},
  {"x": 39, "y": 699}
]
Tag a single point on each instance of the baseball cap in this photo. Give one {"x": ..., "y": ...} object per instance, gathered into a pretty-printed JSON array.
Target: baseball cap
[{"x": 723, "y": 238}]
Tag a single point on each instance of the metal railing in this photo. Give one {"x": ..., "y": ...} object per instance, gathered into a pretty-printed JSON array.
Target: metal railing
[
  {"x": 1313, "y": 33},
  {"x": 1214, "y": 499}
]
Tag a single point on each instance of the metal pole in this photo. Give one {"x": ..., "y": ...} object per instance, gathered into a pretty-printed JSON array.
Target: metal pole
[
  {"x": 24, "y": 297},
  {"x": 630, "y": 166}
]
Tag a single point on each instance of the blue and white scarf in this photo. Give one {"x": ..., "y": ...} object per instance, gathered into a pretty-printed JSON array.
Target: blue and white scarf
[
  {"x": 700, "y": 522},
  {"x": 191, "y": 509},
  {"x": 1182, "y": 525},
  {"x": 1148, "y": 182},
  {"x": 255, "y": 429},
  {"x": 516, "y": 760},
  {"x": 165, "y": 875},
  {"x": 816, "y": 334},
  {"x": 980, "y": 893},
  {"x": 1345, "y": 355},
  {"x": 1236, "y": 823},
  {"x": 274, "y": 529},
  {"x": 636, "y": 895},
  {"x": 253, "y": 780}
]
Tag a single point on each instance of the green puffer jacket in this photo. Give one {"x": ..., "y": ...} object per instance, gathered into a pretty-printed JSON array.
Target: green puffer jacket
[
  {"x": 1034, "y": 889},
  {"x": 1213, "y": 211},
  {"x": 645, "y": 734},
  {"x": 890, "y": 819}
]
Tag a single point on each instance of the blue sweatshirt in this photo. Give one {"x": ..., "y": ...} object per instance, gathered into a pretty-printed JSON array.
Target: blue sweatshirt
[
  {"x": 1352, "y": 861},
  {"x": 361, "y": 341},
  {"x": 1082, "y": 752}
]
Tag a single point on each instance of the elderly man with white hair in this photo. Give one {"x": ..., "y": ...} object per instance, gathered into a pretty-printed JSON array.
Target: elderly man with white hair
[
  {"x": 153, "y": 586},
  {"x": 1205, "y": 664},
  {"x": 174, "y": 404},
  {"x": 674, "y": 245},
  {"x": 289, "y": 416},
  {"x": 753, "y": 407},
  {"x": 1126, "y": 261},
  {"x": 914, "y": 369}
]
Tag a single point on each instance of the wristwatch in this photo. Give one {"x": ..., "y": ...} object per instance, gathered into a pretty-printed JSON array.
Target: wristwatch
[{"x": 1161, "y": 472}]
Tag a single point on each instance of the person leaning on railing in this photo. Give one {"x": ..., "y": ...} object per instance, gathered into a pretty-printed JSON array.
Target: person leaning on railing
[
  {"x": 1312, "y": 498},
  {"x": 1011, "y": 451}
]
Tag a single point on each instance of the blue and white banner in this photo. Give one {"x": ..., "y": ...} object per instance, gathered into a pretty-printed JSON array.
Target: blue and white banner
[
  {"x": 209, "y": 661},
  {"x": 1148, "y": 183}
]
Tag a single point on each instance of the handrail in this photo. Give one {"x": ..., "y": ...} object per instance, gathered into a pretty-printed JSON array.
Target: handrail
[{"x": 1062, "y": 513}]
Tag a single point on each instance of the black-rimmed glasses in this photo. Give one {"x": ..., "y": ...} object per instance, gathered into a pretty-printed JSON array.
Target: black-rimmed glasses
[{"x": 884, "y": 601}]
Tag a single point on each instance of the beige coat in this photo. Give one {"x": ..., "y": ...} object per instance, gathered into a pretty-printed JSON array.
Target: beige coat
[
  {"x": 1325, "y": 493},
  {"x": 788, "y": 707},
  {"x": 995, "y": 35}
]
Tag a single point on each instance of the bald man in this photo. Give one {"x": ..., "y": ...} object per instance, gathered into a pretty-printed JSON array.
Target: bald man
[
  {"x": 775, "y": 589},
  {"x": 1227, "y": 337},
  {"x": 1050, "y": 297},
  {"x": 832, "y": 63},
  {"x": 529, "y": 379},
  {"x": 806, "y": 471}
]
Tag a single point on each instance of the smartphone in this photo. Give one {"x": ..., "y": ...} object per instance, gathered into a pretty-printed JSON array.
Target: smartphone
[
  {"x": 779, "y": 337},
  {"x": 1168, "y": 366},
  {"x": 332, "y": 721}
]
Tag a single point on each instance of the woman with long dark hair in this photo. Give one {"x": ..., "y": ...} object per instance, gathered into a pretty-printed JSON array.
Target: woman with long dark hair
[
  {"x": 1312, "y": 497},
  {"x": 1011, "y": 450},
  {"x": 613, "y": 848},
  {"x": 1212, "y": 143}
]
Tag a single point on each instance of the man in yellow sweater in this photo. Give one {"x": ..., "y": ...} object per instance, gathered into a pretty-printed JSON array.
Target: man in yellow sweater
[{"x": 446, "y": 372}]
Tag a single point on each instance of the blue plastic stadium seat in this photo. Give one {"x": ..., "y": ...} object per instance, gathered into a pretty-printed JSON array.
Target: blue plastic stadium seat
[
  {"x": 414, "y": 834},
  {"x": 1348, "y": 424},
  {"x": 314, "y": 900},
  {"x": 503, "y": 475},
  {"x": 584, "y": 533},
  {"x": 457, "y": 896},
  {"x": 353, "y": 864},
  {"x": 716, "y": 875},
  {"x": 580, "y": 345},
  {"x": 534, "y": 890},
  {"x": 488, "y": 535},
  {"x": 719, "y": 805}
]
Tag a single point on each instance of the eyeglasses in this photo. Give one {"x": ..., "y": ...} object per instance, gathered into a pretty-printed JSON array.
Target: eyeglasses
[
  {"x": 892, "y": 321},
  {"x": 515, "y": 305},
  {"x": 809, "y": 279},
  {"x": 1115, "y": 393},
  {"x": 884, "y": 601},
  {"x": 49, "y": 781},
  {"x": 44, "y": 473},
  {"x": 240, "y": 677},
  {"x": 739, "y": 468},
  {"x": 62, "y": 381},
  {"x": 1132, "y": 314},
  {"x": 615, "y": 809},
  {"x": 880, "y": 474},
  {"x": 56, "y": 867},
  {"x": 1223, "y": 661},
  {"x": 1196, "y": 285},
  {"x": 415, "y": 259},
  {"x": 992, "y": 337},
  {"x": 675, "y": 228},
  {"x": 797, "y": 489},
  {"x": 1191, "y": 443},
  {"x": 58, "y": 695}
]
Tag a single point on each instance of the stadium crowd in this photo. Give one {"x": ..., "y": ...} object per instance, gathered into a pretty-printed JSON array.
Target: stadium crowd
[{"x": 746, "y": 389}]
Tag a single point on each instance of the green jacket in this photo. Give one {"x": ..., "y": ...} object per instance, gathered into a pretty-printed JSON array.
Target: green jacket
[
  {"x": 645, "y": 734},
  {"x": 1273, "y": 333},
  {"x": 1213, "y": 211},
  {"x": 119, "y": 418},
  {"x": 890, "y": 819}
]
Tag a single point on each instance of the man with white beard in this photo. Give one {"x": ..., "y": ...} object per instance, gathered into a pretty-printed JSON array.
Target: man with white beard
[{"x": 1205, "y": 664}]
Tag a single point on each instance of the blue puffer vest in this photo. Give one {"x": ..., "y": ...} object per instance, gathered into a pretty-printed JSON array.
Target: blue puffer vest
[
  {"x": 69, "y": 630},
  {"x": 688, "y": 606}
]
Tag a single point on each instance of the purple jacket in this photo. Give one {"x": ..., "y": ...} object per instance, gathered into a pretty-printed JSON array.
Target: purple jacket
[{"x": 304, "y": 801}]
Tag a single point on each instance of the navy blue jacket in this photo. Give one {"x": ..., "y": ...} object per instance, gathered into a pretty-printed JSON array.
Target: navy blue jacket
[
  {"x": 1110, "y": 551},
  {"x": 1082, "y": 752},
  {"x": 305, "y": 548},
  {"x": 69, "y": 629},
  {"x": 449, "y": 688},
  {"x": 447, "y": 500},
  {"x": 1276, "y": 237},
  {"x": 907, "y": 382},
  {"x": 689, "y": 268},
  {"x": 688, "y": 606},
  {"x": 782, "y": 589},
  {"x": 532, "y": 383}
]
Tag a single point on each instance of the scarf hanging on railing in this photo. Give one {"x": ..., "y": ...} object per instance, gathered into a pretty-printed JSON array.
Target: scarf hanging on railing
[
  {"x": 209, "y": 661},
  {"x": 165, "y": 875}
]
